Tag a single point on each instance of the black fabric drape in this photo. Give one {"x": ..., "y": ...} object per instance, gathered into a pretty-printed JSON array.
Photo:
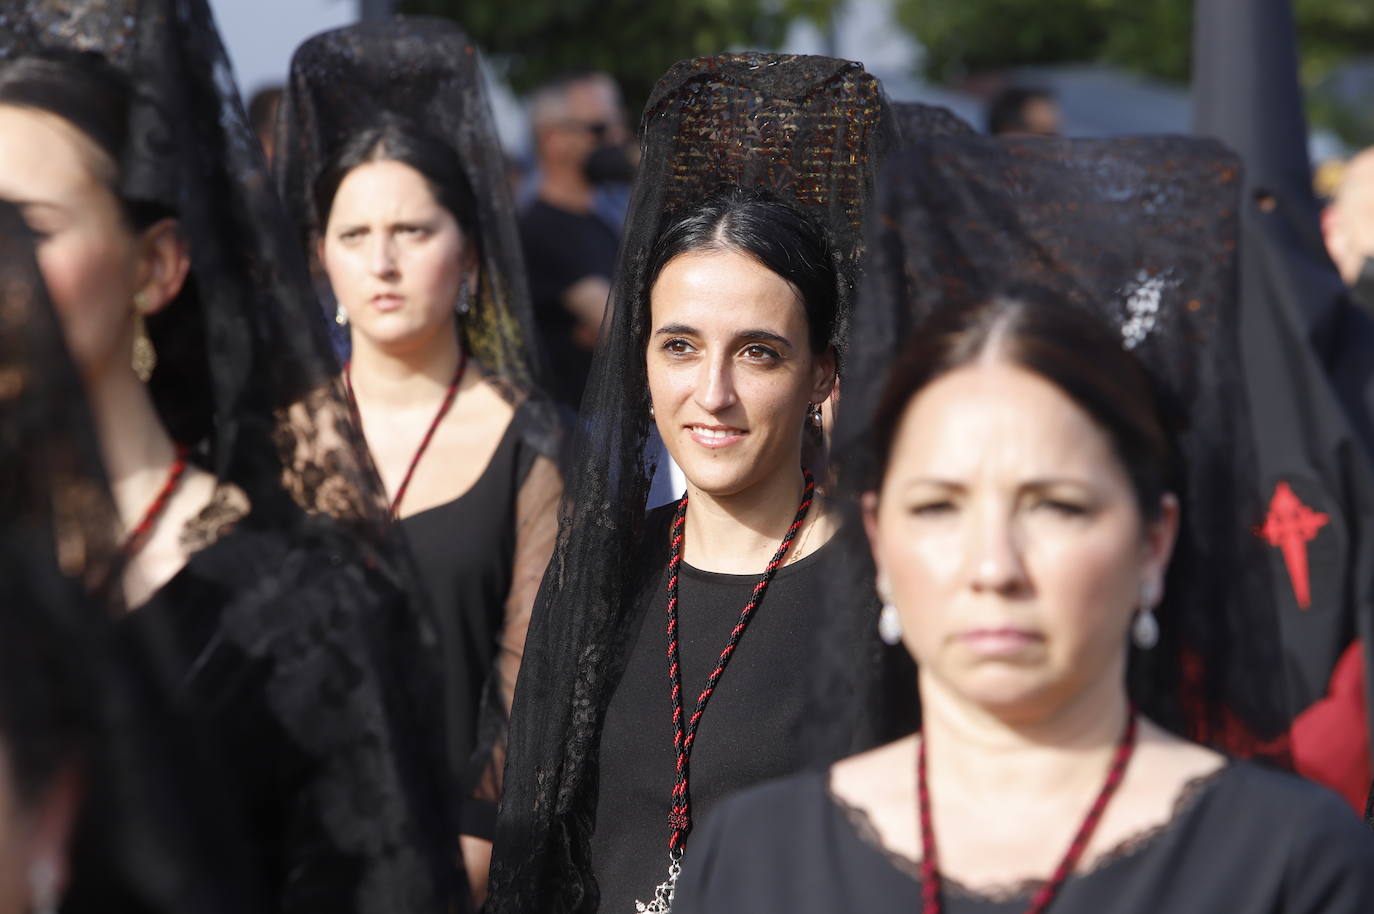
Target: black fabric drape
[{"x": 1308, "y": 349}]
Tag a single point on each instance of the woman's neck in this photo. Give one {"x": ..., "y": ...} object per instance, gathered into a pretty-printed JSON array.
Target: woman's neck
[
  {"x": 738, "y": 534},
  {"x": 134, "y": 445},
  {"x": 403, "y": 377},
  {"x": 978, "y": 753}
]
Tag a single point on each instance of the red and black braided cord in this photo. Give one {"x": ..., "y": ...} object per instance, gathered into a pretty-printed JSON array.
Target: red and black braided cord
[
  {"x": 930, "y": 862},
  {"x": 449, "y": 395},
  {"x": 138, "y": 536},
  {"x": 685, "y": 733}
]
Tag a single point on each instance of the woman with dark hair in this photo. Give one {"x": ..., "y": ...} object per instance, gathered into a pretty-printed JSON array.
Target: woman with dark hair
[
  {"x": 82, "y": 722},
  {"x": 251, "y": 560},
  {"x": 391, "y": 165},
  {"x": 727, "y": 318},
  {"x": 1050, "y": 485}
]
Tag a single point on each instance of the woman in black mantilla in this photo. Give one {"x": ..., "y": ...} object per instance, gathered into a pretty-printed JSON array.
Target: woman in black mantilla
[
  {"x": 83, "y": 723},
  {"x": 251, "y": 536},
  {"x": 390, "y": 164},
  {"x": 731, "y": 302},
  {"x": 1052, "y": 481}
]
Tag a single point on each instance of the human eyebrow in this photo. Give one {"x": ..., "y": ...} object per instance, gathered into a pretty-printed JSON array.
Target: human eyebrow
[
  {"x": 1043, "y": 484},
  {"x": 764, "y": 336},
  {"x": 676, "y": 330}
]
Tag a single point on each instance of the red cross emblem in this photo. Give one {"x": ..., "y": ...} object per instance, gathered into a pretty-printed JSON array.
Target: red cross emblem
[{"x": 1290, "y": 526}]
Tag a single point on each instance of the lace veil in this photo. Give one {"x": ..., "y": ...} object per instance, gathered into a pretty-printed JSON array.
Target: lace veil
[{"x": 1141, "y": 233}]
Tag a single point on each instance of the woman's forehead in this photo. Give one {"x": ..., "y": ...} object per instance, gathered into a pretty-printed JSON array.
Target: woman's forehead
[{"x": 996, "y": 417}]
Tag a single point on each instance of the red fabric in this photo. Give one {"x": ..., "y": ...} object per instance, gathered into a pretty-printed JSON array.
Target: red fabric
[{"x": 1330, "y": 740}]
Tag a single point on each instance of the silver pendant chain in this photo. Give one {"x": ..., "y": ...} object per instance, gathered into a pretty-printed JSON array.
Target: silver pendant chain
[{"x": 663, "y": 895}]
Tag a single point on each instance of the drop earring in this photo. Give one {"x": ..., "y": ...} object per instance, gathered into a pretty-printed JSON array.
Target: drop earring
[
  {"x": 813, "y": 413},
  {"x": 464, "y": 303},
  {"x": 889, "y": 620},
  {"x": 143, "y": 359},
  {"x": 1145, "y": 627},
  {"x": 340, "y": 315},
  {"x": 889, "y": 625},
  {"x": 651, "y": 411}
]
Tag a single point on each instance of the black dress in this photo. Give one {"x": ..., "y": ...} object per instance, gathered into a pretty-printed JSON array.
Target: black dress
[
  {"x": 464, "y": 553},
  {"x": 1244, "y": 840},
  {"x": 749, "y": 734},
  {"x": 295, "y": 660}
]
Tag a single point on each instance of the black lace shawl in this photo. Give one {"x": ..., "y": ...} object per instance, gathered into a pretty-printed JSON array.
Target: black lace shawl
[
  {"x": 1141, "y": 233},
  {"x": 71, "y": 691},
  {"x": 247, "y": 379},
  {"x": 812, "y": 130}
]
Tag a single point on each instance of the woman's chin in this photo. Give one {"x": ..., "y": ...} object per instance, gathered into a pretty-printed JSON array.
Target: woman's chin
[{"x": 718, "y": 475}]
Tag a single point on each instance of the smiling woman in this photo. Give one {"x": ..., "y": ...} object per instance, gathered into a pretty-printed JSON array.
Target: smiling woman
[
  {"x": 742, "y": 307},
  {"x": 669, "y": 664}
]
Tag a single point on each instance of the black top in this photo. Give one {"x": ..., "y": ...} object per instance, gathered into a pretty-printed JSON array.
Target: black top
[
  {"x": 464, "y": 552},
  {"x": 292, "y": 656},
  {"x": 1244, "y": 840},
  {"x": 749, "y": 732},
  {"x": 562, "y": 248}
]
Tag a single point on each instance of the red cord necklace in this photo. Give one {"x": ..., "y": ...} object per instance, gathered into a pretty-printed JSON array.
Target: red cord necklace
[
  {"x": 685, "y": 730},
  {"x": 449, "y": 396},
  {"x": 138, "y": 536},
  {"x": 930, "y": 863}
]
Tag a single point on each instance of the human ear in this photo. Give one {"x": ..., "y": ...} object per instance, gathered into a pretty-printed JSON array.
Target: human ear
[
  {"x": 868, "y": 505},
  {"x": 823, "y": 376},
  {"x": 164, "y": 262},
  {"x": 1160, "y": 536}
]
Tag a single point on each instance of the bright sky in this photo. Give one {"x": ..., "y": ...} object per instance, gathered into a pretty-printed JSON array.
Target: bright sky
[{"x": 261, "y": 34}]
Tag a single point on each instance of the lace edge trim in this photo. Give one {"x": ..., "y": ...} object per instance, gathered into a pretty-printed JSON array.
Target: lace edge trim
[{"x": 1188, "y": 798}]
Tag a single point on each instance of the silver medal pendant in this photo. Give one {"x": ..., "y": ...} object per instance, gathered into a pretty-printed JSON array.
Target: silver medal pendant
[{"x": 663, "y": 895}]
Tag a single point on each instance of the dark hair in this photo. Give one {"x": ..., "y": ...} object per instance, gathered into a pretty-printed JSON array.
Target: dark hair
[
  {"x": 1069, "y": 348},
  {"x": 397, "y": 140},
  {"x": 1007, "y": 110},
  {"x": 92, "y": 95},
  {"x": 775, "y": 234},
  {"x": 262, "y": 109}
]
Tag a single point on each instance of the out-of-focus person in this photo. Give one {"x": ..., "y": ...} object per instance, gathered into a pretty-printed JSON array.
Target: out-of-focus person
[
  {"x": 262, "y": 114},
  {"x": 1024, "y": 111},
  {"x": 571, "y": 229},
  {"x": 1348, "y": 226}
]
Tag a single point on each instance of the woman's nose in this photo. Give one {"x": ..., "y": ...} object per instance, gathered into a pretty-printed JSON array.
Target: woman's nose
[
  {"x": 715, "y": 386},
  {"x": 996, "y": 560}
]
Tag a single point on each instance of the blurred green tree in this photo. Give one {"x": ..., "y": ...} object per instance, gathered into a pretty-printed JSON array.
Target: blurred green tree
[
  {"x": 1150, "y": 36},
  {"x": 963, "y": 37},
  {"x": 634, "y": 40}
]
